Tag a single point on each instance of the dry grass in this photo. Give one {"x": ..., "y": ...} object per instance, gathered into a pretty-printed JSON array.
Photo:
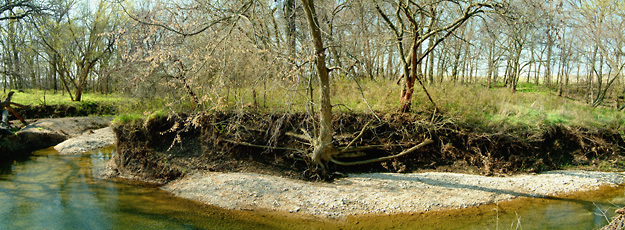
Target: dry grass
[{"x": 531, "y": 107}]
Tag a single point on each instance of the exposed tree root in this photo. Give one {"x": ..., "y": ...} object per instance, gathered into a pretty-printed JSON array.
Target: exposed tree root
[{"x": 229, "y": 142}]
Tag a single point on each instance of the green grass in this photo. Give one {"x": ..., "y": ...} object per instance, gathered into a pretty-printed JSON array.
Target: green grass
[
  {"x": 40, "y": 97},
  {"x": 530, "y": 108},
  {"x": 124, "y": 105}
]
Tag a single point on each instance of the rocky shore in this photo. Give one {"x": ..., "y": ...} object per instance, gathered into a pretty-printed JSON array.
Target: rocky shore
[
  {"x": 90, "y": 140},
  {"x": 43, "y": 133},
  {"x": 379, "y": 193}
]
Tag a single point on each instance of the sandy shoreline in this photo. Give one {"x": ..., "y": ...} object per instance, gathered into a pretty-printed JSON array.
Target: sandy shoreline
[{"x": 379, "y": 193}]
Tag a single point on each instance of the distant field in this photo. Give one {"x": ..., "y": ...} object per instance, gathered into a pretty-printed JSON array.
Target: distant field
[{"x": 40, "y": 97}]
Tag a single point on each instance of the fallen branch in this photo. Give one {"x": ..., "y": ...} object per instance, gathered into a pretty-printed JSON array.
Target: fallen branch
[
  {"x": 303, "y": 137},
  {"x": 259, "y": 146},
  {"x": 351, "y": 154},
  {"x": 410, "y": 150},
  {"x": 366, "y": 147},
  {"x": 6, "y": 105}
]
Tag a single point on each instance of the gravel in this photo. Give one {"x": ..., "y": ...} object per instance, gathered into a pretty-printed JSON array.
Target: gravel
[
  {"x": 379, "y": 193},
  {"x": 88, "y": 141}
]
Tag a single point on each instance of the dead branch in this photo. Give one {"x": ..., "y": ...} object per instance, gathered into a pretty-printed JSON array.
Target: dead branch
[
  {"x": 362, "y": 131},
  {"x": 303, "y": 137},
  {"x": 259, "y": 146},
  {"x": 6, "y": 105},
  {"x": 410, "y": 150}
]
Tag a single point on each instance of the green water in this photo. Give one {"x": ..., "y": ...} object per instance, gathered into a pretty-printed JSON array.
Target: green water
[{"x": 50, "y": 191}]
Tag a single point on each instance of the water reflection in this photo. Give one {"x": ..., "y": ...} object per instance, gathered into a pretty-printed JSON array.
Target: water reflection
[{"x": 51, "y": 191}]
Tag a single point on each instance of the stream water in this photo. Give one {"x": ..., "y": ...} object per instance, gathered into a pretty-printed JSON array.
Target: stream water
[{"x": 51, "y": 191}]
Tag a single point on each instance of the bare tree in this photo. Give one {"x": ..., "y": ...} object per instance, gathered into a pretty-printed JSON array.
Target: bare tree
[
  {"x": 14, "y": 11},
  {"x": 602, "y": 26},
  {"x": 422, "y": 18}
]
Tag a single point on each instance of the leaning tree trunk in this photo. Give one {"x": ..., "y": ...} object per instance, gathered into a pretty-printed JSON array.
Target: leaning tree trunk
[{"x": 323, "y": 147}]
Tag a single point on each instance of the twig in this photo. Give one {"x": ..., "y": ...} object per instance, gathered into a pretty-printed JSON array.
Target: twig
[
  {"x": 362, "y": 131},
  {"x": 603, "y": 213},
  {"x": 410, "y": 150}
]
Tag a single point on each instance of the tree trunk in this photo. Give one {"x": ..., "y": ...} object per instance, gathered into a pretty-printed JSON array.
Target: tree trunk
[
  {"x": 548, "y": 62},
  {"x": 454, "y": 70},
  {"x": 441, "y": 68},
  {"x": 516, "y": 67},
  {"x": 408, "y": 89},
  {"x": 431, "y": 62},
  {"x": 324, "y": 148},
  {"x": 491, "y": 64},
  {"x": 83, "y": 73},
  {"x": 289, "y": 14}
]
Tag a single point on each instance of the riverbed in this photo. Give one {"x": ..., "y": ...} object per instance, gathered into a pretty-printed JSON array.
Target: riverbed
[{"x": 53, "y": 191}]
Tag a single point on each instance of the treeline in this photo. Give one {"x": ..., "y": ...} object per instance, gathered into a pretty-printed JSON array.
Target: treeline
[{"x": 211, "y": 52}]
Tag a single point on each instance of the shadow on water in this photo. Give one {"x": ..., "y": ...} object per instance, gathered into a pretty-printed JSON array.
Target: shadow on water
[
  {"x": 51, "y": 191},
  {"x": 7, "y": 165},
  {"x": 447, "y": 184}
]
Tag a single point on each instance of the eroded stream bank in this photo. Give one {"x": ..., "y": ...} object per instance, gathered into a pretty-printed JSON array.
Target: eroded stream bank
[{"x": 164, "y": 148}]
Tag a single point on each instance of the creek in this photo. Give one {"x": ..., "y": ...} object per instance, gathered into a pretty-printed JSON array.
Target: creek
[{"x": 52, "y": 191}]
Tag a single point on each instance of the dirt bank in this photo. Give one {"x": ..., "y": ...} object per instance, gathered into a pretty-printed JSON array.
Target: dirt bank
[
  {"x": 165, "y": 148},
  {"x": 78, "y": 109}
]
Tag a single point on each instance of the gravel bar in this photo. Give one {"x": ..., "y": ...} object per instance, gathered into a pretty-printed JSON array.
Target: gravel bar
[
  {"x": 379, "y": 193},
  {"x": 88, "y": 141}
]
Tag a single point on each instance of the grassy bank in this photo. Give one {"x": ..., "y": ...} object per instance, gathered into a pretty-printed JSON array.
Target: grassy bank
[{"x": 531, "y": 108}]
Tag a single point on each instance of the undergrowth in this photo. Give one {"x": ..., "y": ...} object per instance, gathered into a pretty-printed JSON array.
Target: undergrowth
[{"x": 532, "y": 108}]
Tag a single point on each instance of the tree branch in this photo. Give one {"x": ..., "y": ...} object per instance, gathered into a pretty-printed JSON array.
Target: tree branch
[
  {"x": 407, "y": 151},
  {"x": 236, "y": 15}
]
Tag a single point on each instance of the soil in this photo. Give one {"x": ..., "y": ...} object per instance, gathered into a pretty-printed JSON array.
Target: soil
[{"x": 165, "y": 148}]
